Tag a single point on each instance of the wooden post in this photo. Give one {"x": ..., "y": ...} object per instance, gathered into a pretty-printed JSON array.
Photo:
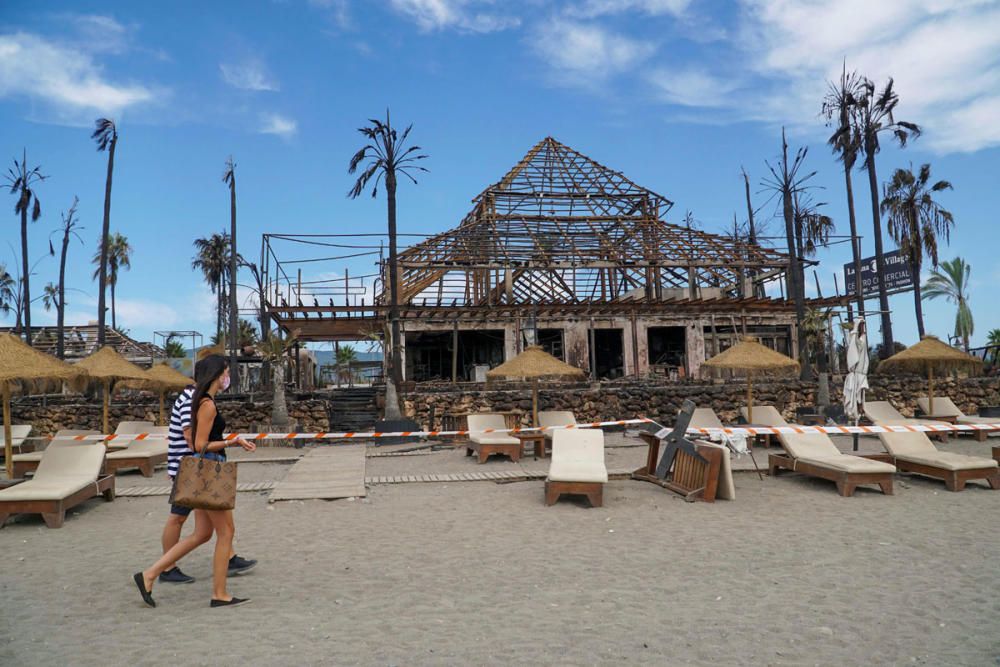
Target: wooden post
[
  {"x": 454, "y": 353},
  {"x": 930, "y": 389},
  {"x": 534, "y": 402},
  {"x": 8, "y": 445},
  {"x": 750, "y": 397},
  {"x": 107, "y": 404},
  {"x": 162, "y": 421}
]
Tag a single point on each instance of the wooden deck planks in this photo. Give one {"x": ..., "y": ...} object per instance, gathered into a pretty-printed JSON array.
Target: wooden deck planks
[{"x": 325, "y": 473}]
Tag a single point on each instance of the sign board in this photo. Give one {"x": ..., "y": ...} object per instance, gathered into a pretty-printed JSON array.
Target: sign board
[{"x": 897, "y": 275}]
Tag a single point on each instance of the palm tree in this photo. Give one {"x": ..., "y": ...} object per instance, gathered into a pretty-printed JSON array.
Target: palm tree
[
  {"x": 229, "y": 178},
  {"x": 174, "y": 348},
  {"x": 106, "y": 135},
  {"x": 21, "y": 182},
  {"x": 274, "y": 350},
  {"x": 246, "y": 336},
  {"x": 385, "y": 156},
  {"x": 69, "y": 227},
  {"x": 213, "y": 259},
  {"x": 841, "y": 97},
  {"x": 951, "y": 281},
  {"x": 993, "y": 340},
  {"x": 50, "y": 297},
  {"x": 346, "y": 356},
  {"x": 915, "y": 222},
  {"x": 871, "y": 115},
  {"x": 118, "y": 254},
  {"x": 7, "y": 286}
]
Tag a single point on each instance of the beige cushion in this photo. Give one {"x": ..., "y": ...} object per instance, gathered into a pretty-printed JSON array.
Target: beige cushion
[
  {"x": 555, "y": 418},
  {"x": 487, "y": 420},
  {"x": 902, "y": 444},
  {"x": 705, "y": 418},
  {"x": 578, "y": 456},
  {"x": 765, "y": 415},
  {"x": 129, "y": 428},
  {"x": 55, "y": 443},
  {"x": 943, "y": 406},
  {"x": 140, "y": 449},
  {"x": 977, "y": 420},
  {"x": 726, "y": 489},
  {"x": 18, "y": 432},
  {"x": 949, "y": 461},
  {"x": 62, "y": 472},
  {"x": 884, "y": 414},
  {"x": 808, "y": 445},
  {"x": 847, "y": 463}
]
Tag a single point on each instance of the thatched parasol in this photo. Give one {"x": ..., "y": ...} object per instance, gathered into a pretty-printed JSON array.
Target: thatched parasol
[
  {"x": 107, "y": 366},
  {"x": 20, "y": 364},
  {"x": 163, "y": 377},
  {"x": 928, "y": 356},
  {"x": 750, "y": 356},
  {"x": 531, "y": 365}
]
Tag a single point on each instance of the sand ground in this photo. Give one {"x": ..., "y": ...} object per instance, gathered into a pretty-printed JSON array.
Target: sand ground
[{"x": 482, "y": 573}]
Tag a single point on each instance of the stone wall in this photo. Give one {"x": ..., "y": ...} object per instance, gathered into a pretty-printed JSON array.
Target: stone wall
[{"x": 307, "y": 414}]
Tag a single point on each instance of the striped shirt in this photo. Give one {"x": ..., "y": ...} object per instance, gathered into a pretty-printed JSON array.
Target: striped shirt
[{"x": 180, "y": 419}]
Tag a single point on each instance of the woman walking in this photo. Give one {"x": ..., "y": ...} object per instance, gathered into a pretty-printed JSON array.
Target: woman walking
[{"x": 207, "y": 427}]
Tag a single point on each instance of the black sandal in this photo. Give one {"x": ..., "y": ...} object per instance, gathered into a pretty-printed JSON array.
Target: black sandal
[
  {"x": 229, "y": 603},
  {"x": 147, "y": 596}
]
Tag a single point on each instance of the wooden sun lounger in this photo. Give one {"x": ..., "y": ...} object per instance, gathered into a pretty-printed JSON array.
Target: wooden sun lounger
[
  {"x": 18, "y": 433},
  {"x": 66, "y": 477},
  {"x": 487, "y": 444},
  {"x": 143, "y": 454},
  {"x": 577, "y": 466},
  {"x": 28, "y": 462},
  {"x": 945, "y": 407},
  {"x": 915, "y": 453}
]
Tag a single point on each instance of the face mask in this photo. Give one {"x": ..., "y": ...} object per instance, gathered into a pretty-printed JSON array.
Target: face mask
[{"x": 225, "y": 383}]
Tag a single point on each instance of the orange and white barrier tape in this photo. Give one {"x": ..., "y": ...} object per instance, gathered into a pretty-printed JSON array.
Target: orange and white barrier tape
[
  {"x": 354, "y": 435},
  {"x": 842, "y": 430}
]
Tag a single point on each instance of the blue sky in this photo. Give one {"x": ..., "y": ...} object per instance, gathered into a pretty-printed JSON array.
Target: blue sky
[{"x": 677, "y": 94}]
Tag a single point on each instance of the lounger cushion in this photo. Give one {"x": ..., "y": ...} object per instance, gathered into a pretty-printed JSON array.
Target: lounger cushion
[
  {"x": 490, "y": 420},
  {"x": 808, "y": 445},
  {"x": 846, "y": 463},
  {"x": 555, "y": 418},
  {"x": 18, "y": 432},
  {"x": 905, "y": 444},
  {"x": 949, "y": 461},
  {"x": 766, "y": 415},
  {"x": 62, "y": 472},
  {"x": 140, "y": 449},
  {"x": 977, "y": 420},
  {"x": 578, "y": 456},
  {"x": 131, "y": 428},
  {"x": 726, "y": 489},
  {"x": 883, "y": 413},
  {"x": 943, "y": 406},
  {"x": 705, "y": 418},
  {"x": 36, "y": 456}
]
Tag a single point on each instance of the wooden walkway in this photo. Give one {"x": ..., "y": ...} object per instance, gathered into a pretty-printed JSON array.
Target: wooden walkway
[
  {"x": 137, "y": 491},
  {"x": 325, "y": 473}
]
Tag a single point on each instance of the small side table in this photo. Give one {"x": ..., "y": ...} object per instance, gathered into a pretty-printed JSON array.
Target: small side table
[{"x": 536, "y": 437}]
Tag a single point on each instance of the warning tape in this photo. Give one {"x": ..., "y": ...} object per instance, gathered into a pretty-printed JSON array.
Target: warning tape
[
  {"x": 353, "y": 435},
  {"x": 840, "y": 430}
]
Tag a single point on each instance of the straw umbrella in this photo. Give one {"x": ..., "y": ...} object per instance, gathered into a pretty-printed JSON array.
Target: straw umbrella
[
  {"x": 163, "y": 378},
  {"x": 928, "y": 356},
  {"x": 750, "y": 356},
  {"x": 20, "y": 363},
  {"x": 531, "y": 365},
  {"x": 109, "y": 367}
]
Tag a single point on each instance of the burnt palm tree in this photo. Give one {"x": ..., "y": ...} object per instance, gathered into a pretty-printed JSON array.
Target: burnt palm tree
[
  {"x": 915, "y": 223},
  {"x": 840, "y": 100},
  {"x": 21, "y": 182},
  {"x": 7, "y": 286},
  {"x": 212, "y": 259},
  {"x": 70, "y": 225},
  {"x": 951, "y": 281},
  {"x": 106, "y": 135},
  {"x": 118, "y": 254},
  {"x": 229, "y": 178},
  {"x": 872, "y": 115},
  {"x": 385, "y": 157}
]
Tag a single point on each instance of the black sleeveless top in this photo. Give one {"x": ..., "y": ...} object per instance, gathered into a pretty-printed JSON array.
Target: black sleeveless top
[{"x": 215, "y": 434}]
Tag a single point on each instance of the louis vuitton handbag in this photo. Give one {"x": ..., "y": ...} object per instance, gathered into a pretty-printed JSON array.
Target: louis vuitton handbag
[{"x": 205, "y": 484}]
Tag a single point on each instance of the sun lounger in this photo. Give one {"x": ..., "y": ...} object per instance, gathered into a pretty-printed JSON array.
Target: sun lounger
[
  {"x": 66, "y": 477},
  {"x": 18, "y": 432},
  {"x": 814, "y": 454},
  {"x": 883, "y": 413},
  {"x": 945, "y": 407},
  {"x": 25, "y": 463},
  {"x": 914, "y": 452},
  {"x": 487, "y": 444},
  {"x": 142, "y": 454},
  {"x": 126, "y": 429},
  {"x": 577, "y": 465},
  {"x": 551, "y": 418}
]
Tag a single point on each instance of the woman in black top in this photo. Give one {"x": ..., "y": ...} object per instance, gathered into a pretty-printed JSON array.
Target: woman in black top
[{"x": 207, "y": 427}]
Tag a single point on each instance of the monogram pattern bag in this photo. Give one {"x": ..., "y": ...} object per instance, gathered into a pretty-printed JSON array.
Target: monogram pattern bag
[{"x": 205, "y": 484}]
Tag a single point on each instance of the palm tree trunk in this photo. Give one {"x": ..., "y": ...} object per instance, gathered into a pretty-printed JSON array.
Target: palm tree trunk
[
  {"x": 25, "y": 290},
  {"x": 392, "y": 410},
  {"x": 792, "y": 277},
  {"x": 233, "y": 313},
  {"x": 883, "y": 297},
  {"x": 915, "y": 266},
  {"x": 279, "y": 407},
  {"x": 114, "y": 319},
  {"x": 855, "y": 242},
  {"x": 61, "y": 309},
  {"x": 105, "y": 230}
]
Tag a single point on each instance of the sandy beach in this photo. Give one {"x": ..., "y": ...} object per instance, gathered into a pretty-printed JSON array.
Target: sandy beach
[{"x": 483, "y": 573}]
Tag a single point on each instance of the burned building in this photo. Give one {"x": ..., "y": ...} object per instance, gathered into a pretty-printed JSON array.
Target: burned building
[{"x": 571, "y": 255}]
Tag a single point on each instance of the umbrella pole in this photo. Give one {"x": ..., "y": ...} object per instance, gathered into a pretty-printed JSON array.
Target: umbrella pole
[
  {"x": 534, "y": 402},
  {"x": 8, "y": 445},
  {"x": 930, "y": 389},
  {"x": 750, "y": 397},
  {"x": 161, "y": 423},
  {"x": 107, "y": 404}
]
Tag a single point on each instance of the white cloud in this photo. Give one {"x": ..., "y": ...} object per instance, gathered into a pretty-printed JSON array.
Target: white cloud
[
  {"x": 462, "y": 15},
  {"x": 584, "y": 51},
  {"x": 249, "y": 75},
  {"x": 99, "y": 34},
  {"x": 692, "y": 87},
  {"x": 593, "y": 8},
  {"x": 273, "y": 123},
  {"x": 63, "y": 76}
]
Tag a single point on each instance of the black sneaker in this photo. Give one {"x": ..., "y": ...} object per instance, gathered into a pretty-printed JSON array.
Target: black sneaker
[
  {"x": 175, "y": 576},
  {"x": 234, "y": 602},
  {"x": 238, "y": 566}
]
